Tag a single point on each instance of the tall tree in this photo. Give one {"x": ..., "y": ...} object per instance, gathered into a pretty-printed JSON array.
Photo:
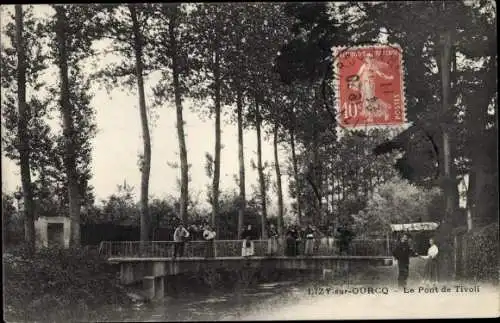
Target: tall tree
[
  {"x": 305, "y": 62},
  {"x": 267, "y": 32},
  {"x": 125, "y": 26},
  {"x": 75, "y": 29},
  {"x": 295, "y": 164},
  {"x": 260, "y": 168},
  {"x": 24, "y": 144},
  {"x": 61, "y": 29},
  {"x": 172, "y": 47},
  {"x": 216, "y": 67},
  {"x": 24, "y": 109},
  {"x": 241, "y": 161},
  {"x": 46, "y": 146},
  {"x": 237, "y": 53},
  {"x": 211, "y": 34},
  {"x": 146, "y": 160},
  {"x": 180, "y": 122},
  {"x": 278, "y": 179}
]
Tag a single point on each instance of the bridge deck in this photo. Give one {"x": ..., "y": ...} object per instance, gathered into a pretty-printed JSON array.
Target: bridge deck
[
  {"x": 252, "y": 258},
  {"x": 134, "y": 269}
]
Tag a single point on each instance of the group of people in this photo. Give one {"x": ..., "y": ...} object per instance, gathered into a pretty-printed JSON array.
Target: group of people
[
  {"x": 299, "y": 240},
  {"x": 404, "y": 251},
  {"x": 249, "y": 234},
  {"x": 306, "y": 240},
  {"x": 207, "y": 234},
  {"x": 182, "y": 235},
  {"x": 302, "y": 240}
]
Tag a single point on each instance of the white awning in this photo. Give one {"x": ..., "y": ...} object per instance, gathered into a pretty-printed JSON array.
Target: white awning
[{"x": 418, "y": 226}]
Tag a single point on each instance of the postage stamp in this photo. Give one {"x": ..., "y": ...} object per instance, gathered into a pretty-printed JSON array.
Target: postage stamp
[{"x": 369, "y": 86}]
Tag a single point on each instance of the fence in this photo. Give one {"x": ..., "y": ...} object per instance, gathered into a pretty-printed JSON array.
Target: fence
[{"x": 232, "y": 248}]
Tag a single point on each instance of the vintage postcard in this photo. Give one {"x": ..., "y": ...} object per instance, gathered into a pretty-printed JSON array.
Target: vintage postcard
[{"x": 249, "y": 161}]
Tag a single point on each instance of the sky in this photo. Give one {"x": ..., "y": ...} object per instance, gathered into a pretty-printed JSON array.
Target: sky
[{"x": 118, "y": 143}]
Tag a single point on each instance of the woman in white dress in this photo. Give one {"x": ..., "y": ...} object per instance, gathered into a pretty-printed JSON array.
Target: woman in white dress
[
  {"x": 431, "y": 268},
  {"x": 247, "y": 249}
]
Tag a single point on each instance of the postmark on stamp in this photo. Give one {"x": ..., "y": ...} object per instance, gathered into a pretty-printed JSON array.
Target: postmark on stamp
[{"x": 369, "y": 86}]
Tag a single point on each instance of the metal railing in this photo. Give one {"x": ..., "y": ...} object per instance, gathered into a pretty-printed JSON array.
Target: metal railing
[{"x": 232, "y": 248}]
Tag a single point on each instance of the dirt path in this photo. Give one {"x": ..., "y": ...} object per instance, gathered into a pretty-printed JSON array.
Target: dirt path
[{"x": 418, "y": 301}]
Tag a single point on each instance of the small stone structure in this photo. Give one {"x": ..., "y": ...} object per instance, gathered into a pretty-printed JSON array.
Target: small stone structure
[{"x": 53, "y": 232}]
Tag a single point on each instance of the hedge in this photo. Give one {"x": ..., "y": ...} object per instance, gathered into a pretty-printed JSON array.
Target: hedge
[{"x": 481, "y": 253}]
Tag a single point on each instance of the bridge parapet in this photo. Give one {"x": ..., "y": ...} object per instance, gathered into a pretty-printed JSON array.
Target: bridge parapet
[{"x": 232, "y": 248}]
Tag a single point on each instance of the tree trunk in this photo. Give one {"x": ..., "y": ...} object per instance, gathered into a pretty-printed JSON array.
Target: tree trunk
[
  {"x": 260, "y": 169},
  {"x": 446, "y": 156},
  {"x": 241, "y": 160},
  {"x": 180, "y": 125},
  {"x": 482, "y": 179},
  {"x": 68, "y": 127},
  {"x": 317, "y": 173},
  {"x": 146, "y": 161},
  {"x": 343, "y": 184},
  {"x": 24, "y": 141},
  {"x": 278, "y": 181},
  {"x": 217, "y": 101},
  {"x": 335, "y": 196},
  {"x": 296, "y": 174},
  {"x": 332, "y": 205},
  {"x": 318, "y": 194}
]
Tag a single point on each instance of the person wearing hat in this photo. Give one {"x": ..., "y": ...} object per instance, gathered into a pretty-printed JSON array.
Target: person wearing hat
[
  {"x": 180, "y": 237},
  {"x": 272, "y": 244},
  {"x": 402, "y": 253},
  {"x": 209, "y": 237}
]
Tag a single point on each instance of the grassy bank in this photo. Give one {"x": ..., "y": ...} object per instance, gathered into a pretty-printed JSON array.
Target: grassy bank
[{"x": 58, "y": 286}]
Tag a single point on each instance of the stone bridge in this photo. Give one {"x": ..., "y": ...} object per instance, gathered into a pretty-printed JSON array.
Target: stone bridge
[{"x": 151, "y": 262}]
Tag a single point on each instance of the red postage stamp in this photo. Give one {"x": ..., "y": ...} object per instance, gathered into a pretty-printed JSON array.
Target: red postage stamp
[{"x": 369, "y": 86}]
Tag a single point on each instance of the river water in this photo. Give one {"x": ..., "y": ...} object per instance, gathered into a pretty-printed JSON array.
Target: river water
[{"x": 294, "y": 299}]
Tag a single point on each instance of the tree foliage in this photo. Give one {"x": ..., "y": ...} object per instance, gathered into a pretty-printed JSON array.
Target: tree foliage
[{"x": 396, "y": 201}]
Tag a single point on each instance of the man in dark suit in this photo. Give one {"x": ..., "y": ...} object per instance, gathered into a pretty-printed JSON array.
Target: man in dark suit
[{"x": 402, "y": 253}]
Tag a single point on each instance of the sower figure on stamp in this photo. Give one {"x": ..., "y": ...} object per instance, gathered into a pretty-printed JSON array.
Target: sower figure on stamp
[
  {"x": 431, "y": 269},
  {"x": 402, "y": 253},
  {"x": 369, "y": 70}
]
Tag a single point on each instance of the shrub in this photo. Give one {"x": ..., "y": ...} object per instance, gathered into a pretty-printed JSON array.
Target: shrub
[
  {"x": 68, "y": 283},
  {"x": 482, "y": 253}
]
